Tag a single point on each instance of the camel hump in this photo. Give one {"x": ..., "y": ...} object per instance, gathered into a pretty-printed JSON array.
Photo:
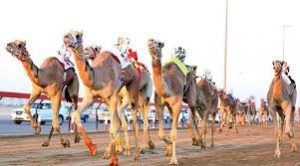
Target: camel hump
[
  {"x": 50, "y": 62},
  {"x": 107, "y": 54}
]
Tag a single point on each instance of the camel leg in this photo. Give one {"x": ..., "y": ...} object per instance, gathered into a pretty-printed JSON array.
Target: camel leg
[
  {"x": 33, "y": 96},
  {"x": 288, "y": 116},
  {"x": 55, "y": 124},
  {"x": 212, "y": 128},
  {"x": 203, "y": 129},
  {"x": 234, "y": 124},
  {"x": 75, "y": 104},
  {"x": 47, "y": 141},
  {"x": 145, "y": 111},
  {"x": 292, "y": 140},
  {"x": 73, "y": 90},
  {"x": 196, "y": 142},
  {"x": 121, "y": 107},
  {"x": 278, "y": 133},
  {"x": 136, "y": 132},
  {"x": 160, "y": 115},
  {"x": 190, "y": 126},
  {"x": 114, "y": 127},
  {"x": 173, "y": 135},
  {"x": 87, "y": 101}
]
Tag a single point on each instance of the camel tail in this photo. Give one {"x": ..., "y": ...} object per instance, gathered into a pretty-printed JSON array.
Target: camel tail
[{"x": 67, "y": 95}]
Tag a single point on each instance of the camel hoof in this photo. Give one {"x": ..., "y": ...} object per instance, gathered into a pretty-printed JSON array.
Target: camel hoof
[
  {"x": 127, "y": 150},
  {"x": 119, "y": 149},
  {"x": 173, "y": 162},
  {"x": 151, "y": 144},
  {"x": 294, "y": 147},
  {"x": 289, "y": 133},
  {"x": 37, "y": 130},
  {"x": 107, "y": 155},
  {"x": 142, "y": 151},
  {"x": 169, "y": 150},
  {"x": 45, "y": 144},
  {"x": 136, "y": 157},
  {"x": 277, "y": 154},
  {"x": 195, "y": 142},
  {"x": 66, "y": 143},
  {"x": 212, "y": 146},
  {"x": 77, "y": 139},
  {"x": 93, "y": 149}
]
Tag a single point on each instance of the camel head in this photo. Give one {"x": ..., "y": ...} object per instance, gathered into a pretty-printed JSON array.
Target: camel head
[
  {"x": 73, "y": 39},
  {"x": 221, "y": 93},
  {"x": 277, "y": 66},
  {"x": 18, "y": 50},
  {"x": 155, "y": 48},
  {"x": 92, "y": 51}
]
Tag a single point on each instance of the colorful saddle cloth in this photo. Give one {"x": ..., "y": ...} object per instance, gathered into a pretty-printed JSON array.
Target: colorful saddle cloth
[{"x": 183, "y": 68}]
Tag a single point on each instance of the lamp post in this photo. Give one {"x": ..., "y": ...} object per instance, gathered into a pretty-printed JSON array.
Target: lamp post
[
  {"x": 225, "y": 49},
  {"x": 283, "y": 38}
]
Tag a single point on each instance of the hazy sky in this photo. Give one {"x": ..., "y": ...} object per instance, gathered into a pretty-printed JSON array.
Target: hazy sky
[{"x": 254, "y": 34}]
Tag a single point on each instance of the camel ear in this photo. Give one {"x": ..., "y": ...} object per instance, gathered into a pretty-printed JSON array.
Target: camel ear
[
  {"x": 161, "y": 44},
  {"x": 273, "y": 63},
  {"x": 24, "y": 43}
]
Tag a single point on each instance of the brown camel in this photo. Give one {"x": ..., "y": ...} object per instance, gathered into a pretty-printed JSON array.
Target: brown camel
[
  {"x": 281, "y": 102},
  {"x": 102, "y": 79},
  {"x": 207, "y": 104},
  {"x": 228, "y": 111},
  {"x": 145, "y": 93},
  {"x": 263, "y": 112},
  {"x": 169, "y": 88},
  {"x": 48, "y": 79}
]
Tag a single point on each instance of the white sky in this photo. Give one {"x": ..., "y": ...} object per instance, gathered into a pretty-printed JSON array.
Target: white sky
[{"x": 254, "y": 34}]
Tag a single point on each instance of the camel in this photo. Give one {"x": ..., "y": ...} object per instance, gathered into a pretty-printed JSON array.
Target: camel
[
  {"x": 145, "y": 93},
  {"x": 169, "y": 89},
  {"x": 48, "y": 79},
  {"x": 241, "y": 109},
  {"x": 263, "y": 112},
  {"x": 206, "y": 104},
  {"x": 227, "y": 111},
  {"x": 281, "y": 103},
  {"x": 102, "y": 79},
  {"x": 251, "y": 111}
]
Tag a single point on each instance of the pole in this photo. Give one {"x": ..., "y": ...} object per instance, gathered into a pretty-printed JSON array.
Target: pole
[
  {"x": 225, "y": 49},
  {"x": 283, "y": 39}
]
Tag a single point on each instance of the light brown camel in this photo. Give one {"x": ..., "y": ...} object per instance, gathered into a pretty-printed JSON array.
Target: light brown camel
[
  {"x": 206, "y": 104},
  {"x": 281, "y": 102},
  {"x": 251, "y": 112},
  {"x": 228, "y": 111},
  {"x": 169, "y": 85},
  {"x": 48, "y": 79},
  {"x": 263, "y": 112},
  {"x": 145, "y": 93},
  {"x": 102, "y": 79},
  {"x": 241, "y": 110}
]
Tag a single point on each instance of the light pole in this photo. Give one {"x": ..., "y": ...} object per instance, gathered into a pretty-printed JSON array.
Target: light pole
[
  {"x": 225, "y": 49},
  {"x": 283, "y": 38}
]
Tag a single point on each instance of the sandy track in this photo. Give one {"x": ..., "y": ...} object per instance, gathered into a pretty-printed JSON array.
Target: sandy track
[{"x": 252, "y": 146}]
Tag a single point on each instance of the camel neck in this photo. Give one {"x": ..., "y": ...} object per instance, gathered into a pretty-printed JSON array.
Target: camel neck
[
  {"x": 32, "y": 71},
  {"x": 158, "y": 78},
  {"x": 83, "y": 67}
]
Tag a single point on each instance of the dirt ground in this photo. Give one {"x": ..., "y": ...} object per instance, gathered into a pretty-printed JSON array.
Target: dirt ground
[{"x": 252, "y": 146}]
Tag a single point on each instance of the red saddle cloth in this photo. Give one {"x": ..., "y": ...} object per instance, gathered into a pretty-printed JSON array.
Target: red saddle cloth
[
  {"x": 140, "y": 67},
  {"x": 116, "y": 58}
]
